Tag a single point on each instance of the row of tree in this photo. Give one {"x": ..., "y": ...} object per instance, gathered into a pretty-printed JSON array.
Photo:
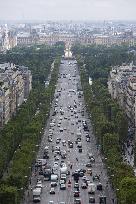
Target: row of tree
[
  {"x": 109, "y": 121},
  {"x": 20, "y": 138}
]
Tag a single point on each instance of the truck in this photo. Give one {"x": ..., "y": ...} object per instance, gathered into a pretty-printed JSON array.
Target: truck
[
  {"x": 36, "y": 195},
  {"x": 47, "y": 173},
  {"x": 91, "y": 188}
]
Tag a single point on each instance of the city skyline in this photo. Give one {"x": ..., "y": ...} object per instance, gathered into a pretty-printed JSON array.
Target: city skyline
[{"x": 68, "y": 10}]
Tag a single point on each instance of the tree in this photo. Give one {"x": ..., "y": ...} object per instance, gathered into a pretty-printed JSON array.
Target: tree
[{"x": 127, "y": 191}]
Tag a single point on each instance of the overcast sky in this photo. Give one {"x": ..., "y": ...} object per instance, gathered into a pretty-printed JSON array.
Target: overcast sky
[{"x": 67, "y": 9}]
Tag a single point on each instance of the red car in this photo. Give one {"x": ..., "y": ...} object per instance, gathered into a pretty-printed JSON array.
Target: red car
[{"x": 76, "y": 193}]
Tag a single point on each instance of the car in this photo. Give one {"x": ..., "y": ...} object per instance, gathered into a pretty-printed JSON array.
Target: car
[
  {"x": 88, "y": 165},
  {"x": 87, "y": 139},
  {"x": 68, "y": 173},
  {"x": 96, "y": 178},
  {"x": 57, "y": 141},
  {"x": 56, "y": 158},
  {"x": 63, "y": 156},
  {"x": 91, "y": 200},
  {"x": 84, "y": 186},
  {"x": 63, "y": 186},
  {"x": 77, "y": 201},
  {"x": 92, "y": 159},
  {"x": 83, "y": 170},
  {"x": 49, "y": 139},
  {"x": 62, "y": 164},
  {"x": 46, "y": 156},
  {"x": 52, "y": 191},
  {"x": 76, "y": 185},
  {"x": 62, "y": 203},
  {"x": 61, "y": 129},
  {"x": 62, "y": 181},
  {"x": 88, "y": 181},
  {"x": 63, "y": 177},
  {"x": 89, "y": 171},
  {"x": 51, "y": 202},
  {"x": 64, "y": 142},
  {"x": 71, "y": 145},
  {"x": 84, "y": 178},
  {"x": 69, "y": 183},
  {"x": 102, "y": 199},
  {"x": 40, "y": 172},
  {"x": 53, "y": 184},
  {"x": 56, "y": 164},
  {"x": 72, "y": 133},
  {"x": 81, "y": 173},
  {"x": 80, "y": 150},
  {"x": 99, "y": 187},
  {"x": 90, "y": 155},
  {"x": 76, "y": 193},
  {"x": 39, "y": 185}
]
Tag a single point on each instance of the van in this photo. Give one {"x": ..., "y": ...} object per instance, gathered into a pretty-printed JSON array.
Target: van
[
  {"x": 91, "y": 188},
  {"x": 54, "y": 177}
]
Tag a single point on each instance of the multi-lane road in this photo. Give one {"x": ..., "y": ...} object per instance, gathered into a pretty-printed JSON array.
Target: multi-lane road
[{"x": 67, "y": 122}]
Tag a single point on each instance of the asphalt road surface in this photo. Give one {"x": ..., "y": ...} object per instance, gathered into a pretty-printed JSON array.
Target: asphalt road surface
[{"x": 66, "y": 124}]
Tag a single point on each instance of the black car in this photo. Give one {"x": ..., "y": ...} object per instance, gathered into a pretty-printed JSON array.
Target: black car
[
  {"x": 99, "y": 187},
  {"x": 91, "y": 200},
  {"x": 102, "y": 199},
  {"x": 81, "y": 173},
  {"x": 77, "y": 201},
  {"x": 76, "y": 193},
  {"x": 46, "y": 156},
  {"x": 88, "y": 165},
  {"x": 80, "y": 150}
]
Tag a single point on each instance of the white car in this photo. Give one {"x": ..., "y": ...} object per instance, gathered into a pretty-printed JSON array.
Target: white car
[
  {"x": 57, "y": 141},
  {"x": 52, "y": 191},
  {"x": 62, "y": 186},
  {"x": 55, "y": 165},
  {"x": 51, "y": 202},
  {"x": 61, "y": 181}
]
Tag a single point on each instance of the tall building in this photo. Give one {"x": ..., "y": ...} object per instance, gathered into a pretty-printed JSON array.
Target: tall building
[{"x": 15, "y": 86}]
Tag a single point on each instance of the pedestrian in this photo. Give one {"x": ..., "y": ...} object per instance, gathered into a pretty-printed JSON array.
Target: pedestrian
[{"x": 112, "y": 200}]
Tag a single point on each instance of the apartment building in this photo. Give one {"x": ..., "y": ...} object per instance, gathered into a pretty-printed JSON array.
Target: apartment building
[
  {"x": 15, "y": 86},
  {"x": 122, "y": 87}
]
